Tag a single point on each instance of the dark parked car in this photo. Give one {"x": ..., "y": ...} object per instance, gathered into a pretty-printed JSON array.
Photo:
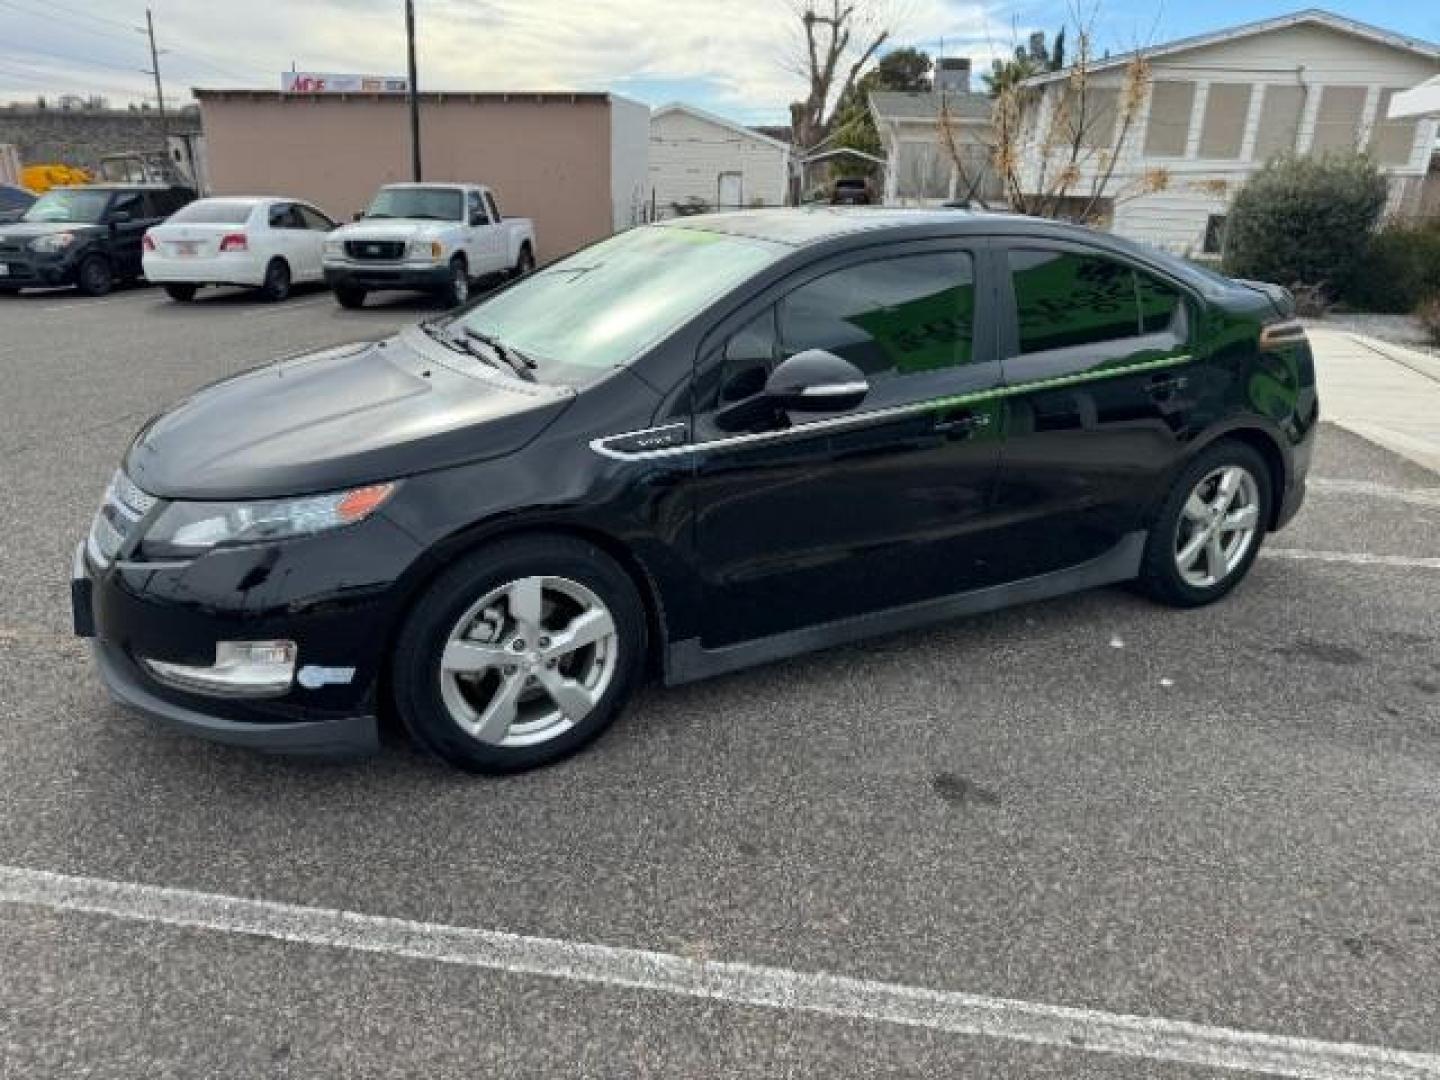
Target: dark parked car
[
  {"x": 690, "y": 448},
  {"x": 14, "y": 201},
  {"x": 89, "y": 237},
  {"x": 850, "y": 190}
]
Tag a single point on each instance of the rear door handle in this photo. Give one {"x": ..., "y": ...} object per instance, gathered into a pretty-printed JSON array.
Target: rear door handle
[
  {"x": 963, "y": 422},
  {"x": 1163, "y": 385}
]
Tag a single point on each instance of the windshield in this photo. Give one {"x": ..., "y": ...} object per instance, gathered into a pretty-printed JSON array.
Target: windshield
[
  {"x": 87, "y": 207},
  {"x": 215, "y": 212},
  {"x": 603, "y": 306},
  {"x": 439, "y": 204}
]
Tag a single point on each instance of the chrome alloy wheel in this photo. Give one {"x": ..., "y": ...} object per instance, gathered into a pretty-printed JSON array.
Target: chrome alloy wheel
[
  {"x": 528, "y": 661},
  {"x": 1218, "y": 526}
]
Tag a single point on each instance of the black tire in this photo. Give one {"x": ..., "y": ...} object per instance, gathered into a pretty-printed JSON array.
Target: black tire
[
  {"x": 277, "y": 281},
  {"x": 183, "y": 293},
  {"x": 525, "y": 263},
  {"x": 1160, "y": 575},
  {"x": 350, "y": 296},
  {"x": 415, "y": 668},
  {"x": 457, "y": 290},
  {"x": 95, "y": 277},
  {"x": 9, "y": 290}
]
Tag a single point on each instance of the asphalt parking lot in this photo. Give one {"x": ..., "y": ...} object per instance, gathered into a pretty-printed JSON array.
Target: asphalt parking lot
[{"x": 1075, "y": 827}]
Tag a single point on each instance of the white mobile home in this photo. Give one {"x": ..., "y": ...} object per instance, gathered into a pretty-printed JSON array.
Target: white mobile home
[
  {"x": 1221, "y": 104},
  {"x": 697, "y": 158}
]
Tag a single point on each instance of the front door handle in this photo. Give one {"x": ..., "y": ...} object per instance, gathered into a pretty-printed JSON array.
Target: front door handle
[{"x": 963, "y": 422}]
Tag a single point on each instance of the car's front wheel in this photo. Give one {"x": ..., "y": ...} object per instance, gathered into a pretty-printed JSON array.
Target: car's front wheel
[
  {"x": 95, "y": 277},
  {"x": 457, "y": 286},
  {"x": 520, "y": 655},
  {"x": 1209, "y": 530}
]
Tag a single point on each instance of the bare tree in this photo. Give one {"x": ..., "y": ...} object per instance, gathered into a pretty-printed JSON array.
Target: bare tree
[
  {"x": 837, "y": 39},
  {"x": 1053, "y": 152}
]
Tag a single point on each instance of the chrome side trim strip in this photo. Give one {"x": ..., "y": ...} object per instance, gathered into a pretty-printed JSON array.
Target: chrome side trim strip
[{"x": 841, "y": 423}]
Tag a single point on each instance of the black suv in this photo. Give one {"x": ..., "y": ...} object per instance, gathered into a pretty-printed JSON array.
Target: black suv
[
  {"x": 89, "y": 237},
  {"x": 690, "y": 448}
]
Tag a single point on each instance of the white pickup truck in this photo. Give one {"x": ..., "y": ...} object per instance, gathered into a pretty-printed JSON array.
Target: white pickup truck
[{"x": 428, "y": 237}]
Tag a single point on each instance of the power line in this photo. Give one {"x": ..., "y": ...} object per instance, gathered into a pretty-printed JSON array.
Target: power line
[{"x": 189, "y": 57}]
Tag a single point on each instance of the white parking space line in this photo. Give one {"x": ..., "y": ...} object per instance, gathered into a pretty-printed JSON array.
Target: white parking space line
[
  {"x": 1142, "y": 1037},
  {"x": 87, "y": 304},
  {"x": 1413, "y": 496},
  {"x": 1354, "y": 558}
]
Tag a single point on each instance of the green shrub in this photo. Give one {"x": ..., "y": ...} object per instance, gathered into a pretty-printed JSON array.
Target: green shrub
[
  {"x": 1400, "y": 269},
  {"x": 1303, "y": 220}
]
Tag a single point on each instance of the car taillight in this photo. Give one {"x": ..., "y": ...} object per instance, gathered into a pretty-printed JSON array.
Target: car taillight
[
  {"x": 235, "y": 242},
  {"x": 147, "y": 243}
]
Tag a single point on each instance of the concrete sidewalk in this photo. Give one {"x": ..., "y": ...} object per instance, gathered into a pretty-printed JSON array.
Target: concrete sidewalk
[{"x": 1385, "y": 393}]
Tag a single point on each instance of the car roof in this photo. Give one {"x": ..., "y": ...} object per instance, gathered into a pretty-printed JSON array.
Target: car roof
[
  {"x": 119, "y": 187},
  {"x": 802, "y": 227}
]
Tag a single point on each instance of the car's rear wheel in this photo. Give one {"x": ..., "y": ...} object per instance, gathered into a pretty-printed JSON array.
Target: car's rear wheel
[
  {"x": 525, "y": 264},
  {"x": 95, "y": 277},
  {"x": 520, "y": 655},
  {"x": 1209, "y": 530},
  {"x": 457, "y": 288},
  {"x": 277, "y": 281},
  {"x": 183, "y": 293},
  {"x": 349, "y": 296}
]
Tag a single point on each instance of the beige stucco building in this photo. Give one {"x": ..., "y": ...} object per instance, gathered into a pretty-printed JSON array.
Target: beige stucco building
[{"x": 576, "y": 163}]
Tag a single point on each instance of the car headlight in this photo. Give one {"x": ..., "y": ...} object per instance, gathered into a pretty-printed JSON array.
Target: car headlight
[
  {"x": 433, "y": 250},
  {"x": 52, "y": 242},
  {"x": 334, "y": 247},
  {"x": 190, "y": 528}
]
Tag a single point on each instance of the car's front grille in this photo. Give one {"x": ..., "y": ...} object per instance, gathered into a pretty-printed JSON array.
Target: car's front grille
[
  {"x": 120, "y": 512},
  {"x": 375, "y": 249}
]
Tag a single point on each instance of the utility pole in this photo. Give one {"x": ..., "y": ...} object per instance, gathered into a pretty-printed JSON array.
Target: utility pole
[
  {"x": 159, "y": 90},
  {"x": 414, "y": 92}
]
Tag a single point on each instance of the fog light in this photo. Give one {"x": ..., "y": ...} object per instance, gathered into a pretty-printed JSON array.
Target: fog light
[{"x": 241, "y": 669}]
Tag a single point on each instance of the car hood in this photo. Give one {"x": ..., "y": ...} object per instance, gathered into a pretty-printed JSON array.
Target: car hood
[
  {"x": 337, "y": 418},
  {"x": 28, "y": 230},
  {"x": 393, "y": 229}
]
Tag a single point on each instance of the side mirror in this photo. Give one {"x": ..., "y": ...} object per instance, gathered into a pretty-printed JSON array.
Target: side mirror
[
  {"x": 119, "y": 217},
  {"x": 816, "y": 381},
  {"x": 357, "y": 215}
]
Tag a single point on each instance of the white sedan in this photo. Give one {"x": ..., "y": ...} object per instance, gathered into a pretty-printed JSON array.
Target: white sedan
[{"x": 265, "y": 243}]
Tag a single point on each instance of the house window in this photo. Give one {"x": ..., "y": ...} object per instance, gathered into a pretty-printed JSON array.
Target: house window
[
  {"x": 1390, "y": 140},
  {"x": 1279, "y": 121},
  {"x": 1168, "y": 130},
  {"x": 1214, "y": 243},
  {"x": 1337, "y": 123},
  {"x": 1091, "y": 117},
  {"x": 1223, "y": 130}
]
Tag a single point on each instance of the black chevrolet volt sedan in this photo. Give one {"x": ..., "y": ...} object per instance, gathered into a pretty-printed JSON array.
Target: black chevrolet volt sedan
[{"x": 687, "y": 449}]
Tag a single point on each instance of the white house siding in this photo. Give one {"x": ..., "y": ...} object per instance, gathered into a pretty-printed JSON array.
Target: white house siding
[
  {"x": 1307, "y": 55},
  {"x": 629, "y": 160},
  {"x": 689, "y": 153}
]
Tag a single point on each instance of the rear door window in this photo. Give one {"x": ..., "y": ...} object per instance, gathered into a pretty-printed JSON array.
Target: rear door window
[{"x": 1074, "y": 310}]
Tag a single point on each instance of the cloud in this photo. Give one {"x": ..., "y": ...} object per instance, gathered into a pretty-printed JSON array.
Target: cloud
[{"x": 733, "y": 51}]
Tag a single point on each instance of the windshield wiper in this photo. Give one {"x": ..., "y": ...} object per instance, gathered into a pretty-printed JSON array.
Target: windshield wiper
[
  {"x": 521, "y": 364},
  {"x": 482, "y": 347}
]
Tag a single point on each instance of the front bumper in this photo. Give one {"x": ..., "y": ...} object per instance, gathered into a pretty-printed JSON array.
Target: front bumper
[
  {"x": 178, "y": 613},
  {"x": 358, "y": 275},
  {"x": 345, "y": 736},
  {"x": 28, "y": 270}
]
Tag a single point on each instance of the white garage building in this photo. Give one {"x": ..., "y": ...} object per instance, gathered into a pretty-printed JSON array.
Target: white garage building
[{"x": 699, "y": 158}]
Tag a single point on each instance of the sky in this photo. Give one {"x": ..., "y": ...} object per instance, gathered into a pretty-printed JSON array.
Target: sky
[{"x": 732, "y": 57}]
